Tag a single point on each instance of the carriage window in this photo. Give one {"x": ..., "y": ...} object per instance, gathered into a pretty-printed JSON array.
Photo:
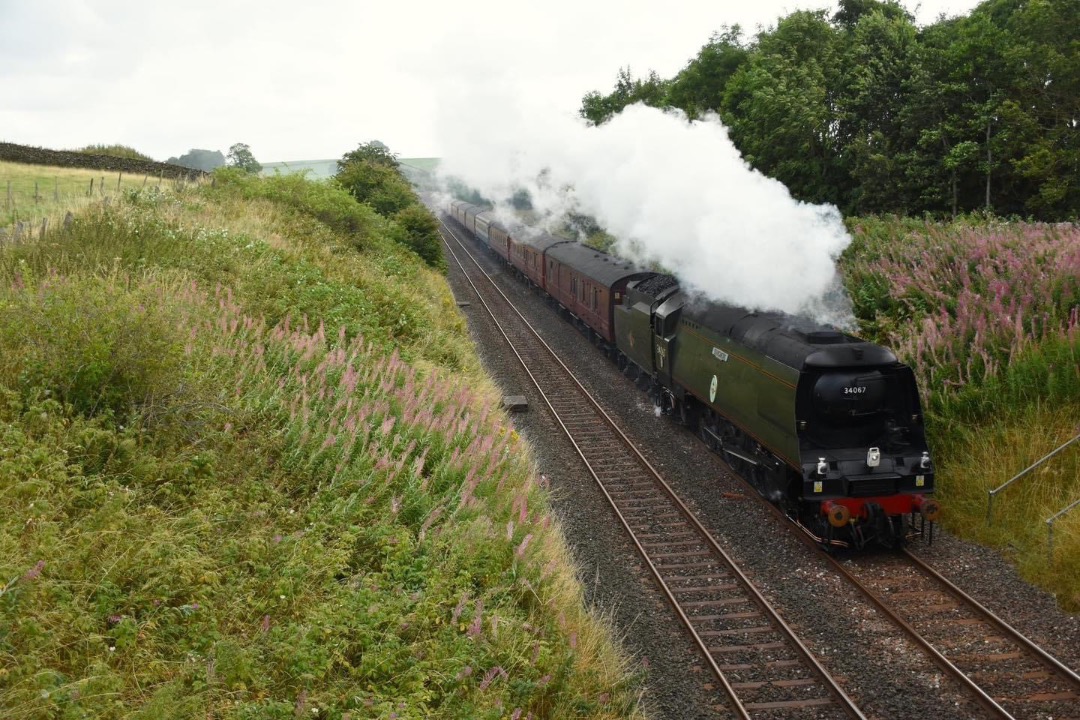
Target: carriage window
[{"x": 595, "y": 298}]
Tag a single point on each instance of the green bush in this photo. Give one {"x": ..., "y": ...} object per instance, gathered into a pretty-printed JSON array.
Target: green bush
[
  {"x": 247, "y": 471},
  {"x": 324, "y": 201},
  {"x": 380, "y": 186},
  {"x": 94, "y": 344},
  {"x": 420, "y": 232}
]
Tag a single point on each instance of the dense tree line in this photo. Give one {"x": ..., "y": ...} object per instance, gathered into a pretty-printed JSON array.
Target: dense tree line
[{"x": 868, "y": 111}]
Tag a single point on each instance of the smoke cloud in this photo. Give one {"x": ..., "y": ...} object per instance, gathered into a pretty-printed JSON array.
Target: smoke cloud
[{"x": 670, "y": 190}]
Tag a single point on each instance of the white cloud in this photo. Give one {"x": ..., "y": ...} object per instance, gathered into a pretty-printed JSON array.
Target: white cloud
[{"x": 305, "y": 81}]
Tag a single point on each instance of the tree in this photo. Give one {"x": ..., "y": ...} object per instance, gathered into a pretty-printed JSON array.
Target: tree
[
  {"x": 1046, "y": 113},
  {"x": 373, "y": 152},
  {"x": 380, "y": 186},
  {"x": 699, "y": 87},
  {"x": 240, "y": 157},
  {"x": 879, "y": 57},
  {"x": 781, "y": 109},
  {"x": 850, "y": 12},
  {"x": 206, "y": 160},
  {"x": 597, "y": 108},
  {"x": 956, "y": 109}
]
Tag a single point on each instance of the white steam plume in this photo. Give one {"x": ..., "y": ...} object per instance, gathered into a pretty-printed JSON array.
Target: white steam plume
[{"x": 670, "y": 190}]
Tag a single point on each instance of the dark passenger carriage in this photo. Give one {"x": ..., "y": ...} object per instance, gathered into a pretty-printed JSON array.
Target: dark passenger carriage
[
  {"x": 527, "y": 254},
  {"x": 589, "y": 284}
]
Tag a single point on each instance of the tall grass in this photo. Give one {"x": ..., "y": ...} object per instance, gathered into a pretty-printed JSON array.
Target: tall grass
[
  {"x": 988, "y": 315},
  {"x": 250, "y": 470},
  {"x": 39, "y": 192}
]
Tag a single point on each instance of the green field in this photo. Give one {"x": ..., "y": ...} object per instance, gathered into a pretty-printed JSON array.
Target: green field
[
  {"x": 323, "y": 169},
  {"x": 29, "y": 193},
  {"x": 313, "y": 169}
]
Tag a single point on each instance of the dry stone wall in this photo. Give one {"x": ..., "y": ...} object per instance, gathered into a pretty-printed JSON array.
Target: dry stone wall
[{"x": 65, "y": 158}]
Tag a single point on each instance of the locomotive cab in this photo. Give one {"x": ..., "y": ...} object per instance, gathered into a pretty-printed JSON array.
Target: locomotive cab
[{"x": 633, "y": 319}]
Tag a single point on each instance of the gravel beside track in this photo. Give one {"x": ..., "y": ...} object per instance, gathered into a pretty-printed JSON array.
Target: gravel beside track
[{"x": 886, "y": 675}]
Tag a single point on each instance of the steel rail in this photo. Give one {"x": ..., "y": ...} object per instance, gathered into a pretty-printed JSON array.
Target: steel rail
[
  {"x": 984, "y": 699},
  {"x": 843, "y": 701},
  {"x": 987, "y": 702},
  {"x": 1051, "y": 662}
]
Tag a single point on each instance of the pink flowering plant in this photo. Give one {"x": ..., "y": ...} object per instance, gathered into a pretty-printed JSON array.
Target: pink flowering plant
[{"x": 980, "y": 311}]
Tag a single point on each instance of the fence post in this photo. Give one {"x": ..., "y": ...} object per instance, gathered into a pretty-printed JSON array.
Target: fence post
[
  {"x": 118, "y": 179},
  {"x": 91, "y": 193},
  {"x": 56, "y": 189},
  {"x": 44, "y": 227},
  {"x": 1050, "y": 530},
  {"x": 101, "y": 187},
  {"x": 37, "y": 195}
]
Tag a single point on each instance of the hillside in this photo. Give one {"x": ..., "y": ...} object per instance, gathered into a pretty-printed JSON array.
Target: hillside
[{"x": 251, "y": 468}]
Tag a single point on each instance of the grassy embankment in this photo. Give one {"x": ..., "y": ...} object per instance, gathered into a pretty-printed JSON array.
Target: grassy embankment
[
  {"x": 58, "y": 190},
  {"x": 988, "y": 314},
  {"x": 250, "y": 468}
]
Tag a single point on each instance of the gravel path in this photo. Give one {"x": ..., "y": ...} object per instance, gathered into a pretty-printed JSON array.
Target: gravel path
[{"x": 888, "y": 676}]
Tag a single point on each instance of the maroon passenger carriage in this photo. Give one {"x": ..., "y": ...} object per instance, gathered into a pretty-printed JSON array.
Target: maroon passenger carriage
[{"x": 585, "y": 282}]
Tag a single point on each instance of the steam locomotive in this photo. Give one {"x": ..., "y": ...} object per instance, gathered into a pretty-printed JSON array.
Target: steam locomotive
[{"x": 825, "y": 425}]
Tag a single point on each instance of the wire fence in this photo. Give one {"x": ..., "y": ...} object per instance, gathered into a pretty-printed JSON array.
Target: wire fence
[{"x": 31, "y": 207}]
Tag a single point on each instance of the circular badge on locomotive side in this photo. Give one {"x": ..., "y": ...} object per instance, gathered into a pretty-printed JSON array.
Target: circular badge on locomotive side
[{"x": 712, "y": 390}]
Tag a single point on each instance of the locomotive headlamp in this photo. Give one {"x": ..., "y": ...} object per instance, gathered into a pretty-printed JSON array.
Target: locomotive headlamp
[
  {"x": 822, "y": 466},
  {"x": 839, "y": 515},
  {"x": 925, "y": 462},
  {"x": 873, "y": 457}
]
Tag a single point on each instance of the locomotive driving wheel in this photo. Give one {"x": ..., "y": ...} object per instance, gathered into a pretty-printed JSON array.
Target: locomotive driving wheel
[{"x": 689, "y": 414}]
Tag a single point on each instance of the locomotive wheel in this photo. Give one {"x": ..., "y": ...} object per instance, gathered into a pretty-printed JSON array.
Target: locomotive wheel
[{"x": 689, "y": 415}]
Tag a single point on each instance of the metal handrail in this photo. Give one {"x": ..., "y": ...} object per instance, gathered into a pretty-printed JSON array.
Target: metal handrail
[
  {"x": 1050, "y": 529},
  {"x": 1022, "y": 473}
]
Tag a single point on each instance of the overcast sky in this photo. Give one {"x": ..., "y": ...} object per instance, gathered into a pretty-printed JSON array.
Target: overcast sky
[{"x": 313, "y": 80}]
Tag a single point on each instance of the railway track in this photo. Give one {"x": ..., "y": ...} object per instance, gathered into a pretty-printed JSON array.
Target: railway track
[
  {"x": 1009, "y": 674},
  {"x": 764, "y": 669},
  {"x": 1006, "y": 673}
]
